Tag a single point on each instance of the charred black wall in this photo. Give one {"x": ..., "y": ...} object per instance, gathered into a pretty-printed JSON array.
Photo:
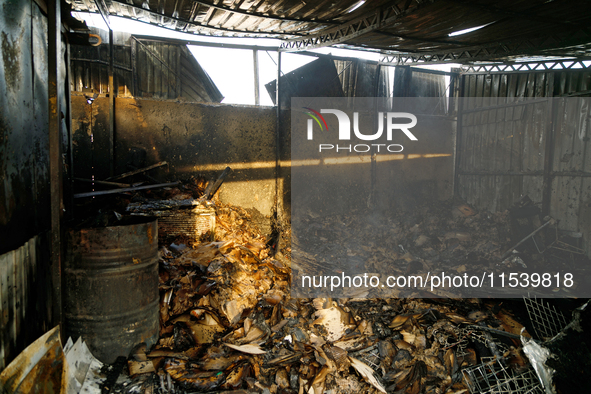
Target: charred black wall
[
  {"x": 25, "y": 304},
  {"x": 24, "y": 195},
  {"x": 205, "y": 138},
  {"x": 193, "y": 138}
]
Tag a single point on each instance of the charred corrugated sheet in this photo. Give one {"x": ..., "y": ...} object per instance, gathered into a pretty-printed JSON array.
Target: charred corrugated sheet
[
  {"x": 142, "y": 68},
  {"x": 570, "y": 200},
  {"x": 283, "y": 19},
  {"x": 24, "y": 290},
  {"x": 538, "y": 147},
  {"x": 197, "y": 85},
  {"x": 24, "y": 193},
  {"x": 363, "y": 79},
  {"x": 409, "y": 82},
  {"x": 412, "y": 82},
  {"x": 316, "y": 79},
  {"x": 90, "y": 65},
  {"x": 25, "y": 302}
]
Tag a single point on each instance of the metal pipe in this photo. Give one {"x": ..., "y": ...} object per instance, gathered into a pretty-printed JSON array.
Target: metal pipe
[
  {"x": 508, "y": 105},
  {"x": 138, "y": 171},
  {"x": 125, "y": 189},
  {"x": 111, "y": 104},
  {"x": 204, "y": 43},
  {"x": 104, "y": 11},
  {"x": 458, "y": 141},
  {"x": 255, "y": 62},
  {"x": 55, "y": 169},
  {"x": 99, "y": 61},
  {"x": 549, "y": 148},
  {"x": 277, "y": 136},
  {"x": 103, "y": 182}
]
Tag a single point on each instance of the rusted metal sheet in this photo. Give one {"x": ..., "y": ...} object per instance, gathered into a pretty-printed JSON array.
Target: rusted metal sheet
[
  {"x": 111, "y": 287},
  {"x": 40, "y": 368}
]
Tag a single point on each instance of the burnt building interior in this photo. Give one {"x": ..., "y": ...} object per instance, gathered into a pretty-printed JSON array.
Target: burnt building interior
[{"x": 146, "y": 226}]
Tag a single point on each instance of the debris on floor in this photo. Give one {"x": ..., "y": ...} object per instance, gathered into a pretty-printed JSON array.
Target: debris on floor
[
  {"x": 448, "y": 236},
  {"x": 228, "y": 322},
  {"x": 47, "y": 367},
  {"x": 41, "y": 366}
]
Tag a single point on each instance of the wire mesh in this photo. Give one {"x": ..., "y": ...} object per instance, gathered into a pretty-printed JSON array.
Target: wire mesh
[
  {"x": 370, "y": 356},
  {"x": 547, "y": 321},
  {"x": 493, "y": 377}
]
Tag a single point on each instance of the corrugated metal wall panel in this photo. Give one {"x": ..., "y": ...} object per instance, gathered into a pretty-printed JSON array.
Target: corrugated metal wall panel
[
  {"x": 505, "y": 144},
  {"x": 25, "y": 301},
  {"x": 572, "y": 82},
  {"x": 24, "y": 180},
  {"x": 571, "y": 195},
  {"x": 358, "y": 79},
  {"x": 157, "y": 69},
  {"x": 17, "y": 269},
  {"x": 24, "y": 169},
  {"x": 502, "y": 152},
  {"x": 142, "y": 68},
  {"x": 87, "y": 73},
  {"x": 412, "y": 82}
]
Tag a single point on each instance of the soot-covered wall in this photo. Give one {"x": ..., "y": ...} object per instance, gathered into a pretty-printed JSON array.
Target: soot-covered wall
[{"x": 197, "y": 138}]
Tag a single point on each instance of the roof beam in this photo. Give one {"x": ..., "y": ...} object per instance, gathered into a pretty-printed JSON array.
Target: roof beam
[
  {"x": 202, "y": 25},
  {"x": 542, "y": 65},
  {"x": 547, "y": 45},
  {"x": 492, "y": 50},
  {"x": 205, "y": 44},
  {"x": 378, "y": 19},
  {"x": 469, "y": 55},
  {"x": 427, "y": 40},
  {"x": 224, "y": 8}
]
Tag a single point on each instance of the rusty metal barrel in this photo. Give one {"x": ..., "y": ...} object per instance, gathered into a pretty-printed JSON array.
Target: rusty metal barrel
[{"x": 111, "y": 287}]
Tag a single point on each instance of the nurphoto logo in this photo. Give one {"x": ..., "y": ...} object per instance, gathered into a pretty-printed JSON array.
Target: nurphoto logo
[{"x": 344, "y": 130}]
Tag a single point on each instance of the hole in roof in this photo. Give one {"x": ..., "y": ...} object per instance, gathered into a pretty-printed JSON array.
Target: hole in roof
[
  {"x": 354, "y": 6},
  {"x": 469, "y": 30}
]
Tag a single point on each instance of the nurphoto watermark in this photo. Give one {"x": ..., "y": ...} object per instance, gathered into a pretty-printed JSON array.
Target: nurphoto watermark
[{"x": 414, "y": 197}]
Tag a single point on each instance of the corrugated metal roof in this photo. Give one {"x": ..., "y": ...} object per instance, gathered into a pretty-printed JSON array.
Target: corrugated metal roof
[{"x": 513, "y": 27}]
